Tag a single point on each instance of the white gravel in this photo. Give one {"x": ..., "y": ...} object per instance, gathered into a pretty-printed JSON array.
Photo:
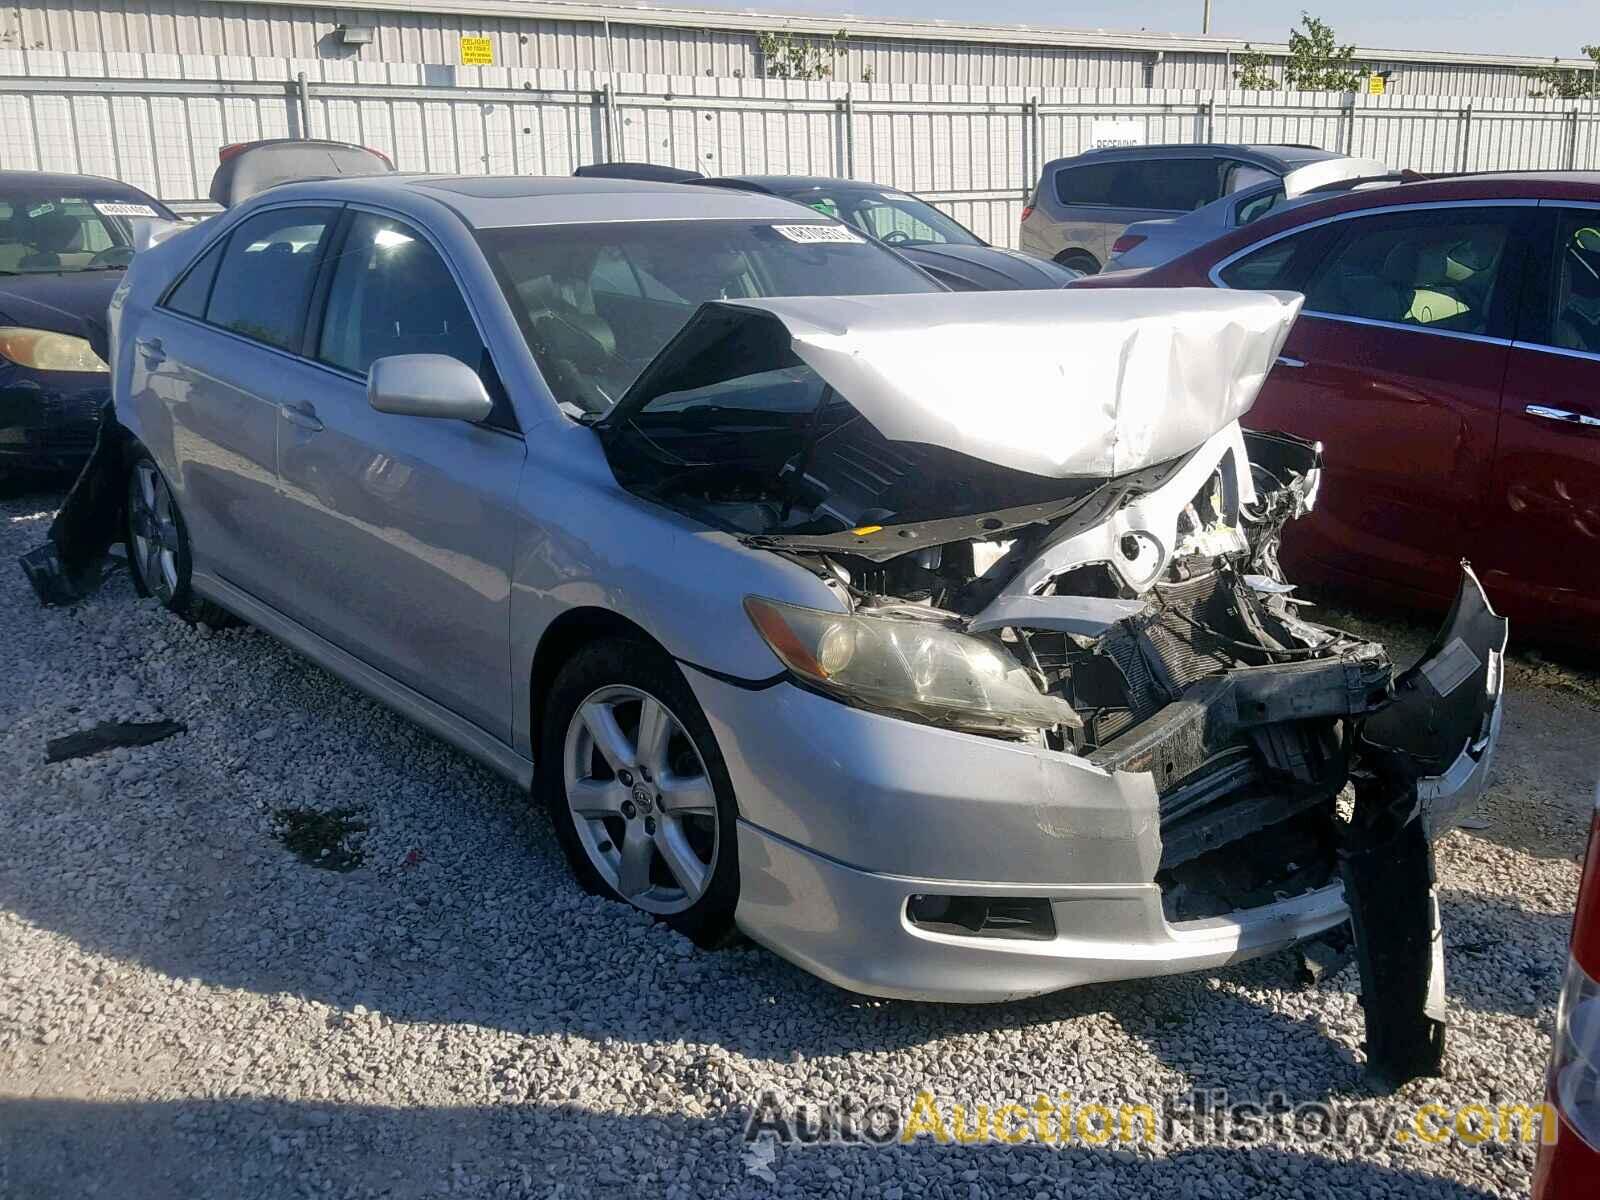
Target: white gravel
[{"x": 187, "y": 1009}]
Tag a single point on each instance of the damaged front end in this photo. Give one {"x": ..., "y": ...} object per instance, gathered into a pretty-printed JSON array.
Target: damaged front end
[{"x": 1088, "y": 560}]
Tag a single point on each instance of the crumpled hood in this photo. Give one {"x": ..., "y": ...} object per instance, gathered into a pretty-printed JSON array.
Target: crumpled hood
[
  {"x": 57, "y": 302},
  {"x": 1064, "y": 384}
]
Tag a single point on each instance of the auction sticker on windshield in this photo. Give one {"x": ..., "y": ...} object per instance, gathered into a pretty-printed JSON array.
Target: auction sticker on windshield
[
  {"x": 117, "y": 209},
  {"x": 809, "y": 234}
]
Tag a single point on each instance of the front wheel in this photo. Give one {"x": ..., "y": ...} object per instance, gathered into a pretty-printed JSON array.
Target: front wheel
[
  {"x": 158, "y": 545},
  {"x": 637, "y": 790}
]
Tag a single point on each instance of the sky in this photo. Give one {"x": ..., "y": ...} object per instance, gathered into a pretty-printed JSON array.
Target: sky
[{"x": 1539, "y": 27}]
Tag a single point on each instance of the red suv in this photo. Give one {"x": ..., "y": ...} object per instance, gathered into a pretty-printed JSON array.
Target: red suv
[{"x": 1448, "y": 357}]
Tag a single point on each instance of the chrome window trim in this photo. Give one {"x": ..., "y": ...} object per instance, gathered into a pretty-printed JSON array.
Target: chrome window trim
[
  {"x": 1563, "y": 351},
  {"x": 1485, "y": 338},
  {"x": 1215, "y": 274},
  {"x": 1592, "y": 205}
]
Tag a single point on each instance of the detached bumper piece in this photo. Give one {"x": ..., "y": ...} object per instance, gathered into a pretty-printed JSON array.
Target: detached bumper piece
[
  {"x": 67, "y": 567},
  {"x": 1424, "y": 758}
]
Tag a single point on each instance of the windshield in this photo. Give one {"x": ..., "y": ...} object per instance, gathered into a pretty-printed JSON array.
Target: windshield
[
  {"x": 892, "y": 217},
  {"x": 598, "y": 302},
  {"x": 50, "y": 232}
]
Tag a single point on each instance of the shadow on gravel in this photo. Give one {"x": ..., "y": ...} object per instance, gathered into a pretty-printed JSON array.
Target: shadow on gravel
[
  {"x": 1501, "y": 958},
  {"x": 241, "y": 1148}
]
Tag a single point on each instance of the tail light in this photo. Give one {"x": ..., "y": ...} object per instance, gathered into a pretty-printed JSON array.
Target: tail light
[
  {"x": 1127, "y": 242},
  {"x": 389, "y": 162},
  {"x": 1027, "y": 212},
  {"x": 227, "y": 152},
  {"x": 1568, "y": 1169}
]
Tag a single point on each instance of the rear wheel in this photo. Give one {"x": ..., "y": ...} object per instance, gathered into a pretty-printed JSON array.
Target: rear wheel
[
  {"x": 158, "y": 545},
  {"x": 1079, "y": 260},
  {"x": 637, "y": 790}
]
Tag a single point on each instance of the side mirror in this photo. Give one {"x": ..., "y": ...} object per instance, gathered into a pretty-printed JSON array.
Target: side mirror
[{"x": 427, "y": 385}]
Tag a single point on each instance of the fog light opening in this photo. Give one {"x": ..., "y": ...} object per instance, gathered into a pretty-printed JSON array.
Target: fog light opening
[{"x": 1029, "y": 918}]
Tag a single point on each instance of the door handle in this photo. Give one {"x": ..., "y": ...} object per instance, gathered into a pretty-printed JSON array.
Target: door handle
[
  {"x": 1565, "y": 415},
  {"x": 152, "y": 349},
  {"x": 1285, "y": 360},
  {"x": 302, "y": 415}
]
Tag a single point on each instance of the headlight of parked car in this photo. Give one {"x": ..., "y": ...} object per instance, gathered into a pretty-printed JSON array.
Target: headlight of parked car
[
  {"x": 913, "y": 668},
  {"x": 46, "y": 351}
]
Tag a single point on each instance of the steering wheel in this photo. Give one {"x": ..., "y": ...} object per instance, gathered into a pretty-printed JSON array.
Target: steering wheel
[
  {"x": 896, "y": 237},
  {"x": 113, "y": 256}
]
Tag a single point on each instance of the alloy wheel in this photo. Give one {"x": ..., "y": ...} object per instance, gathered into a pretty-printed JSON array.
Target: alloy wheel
[
  {"x": 154, "y": 524},
  {"x": 641, "y": 799}
]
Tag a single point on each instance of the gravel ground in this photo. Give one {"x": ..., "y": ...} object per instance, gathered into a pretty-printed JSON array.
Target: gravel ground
[{"x": 188, "y": 1008}]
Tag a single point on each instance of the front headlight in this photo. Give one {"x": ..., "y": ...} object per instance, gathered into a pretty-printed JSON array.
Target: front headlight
[
  {"x": 46, "y": 351},
  {"x": 913, "y": 668}
]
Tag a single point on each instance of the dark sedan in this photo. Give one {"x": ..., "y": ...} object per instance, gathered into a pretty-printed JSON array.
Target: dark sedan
[
  {"x": 933, "y": 240},
  {"x": 64, "y": 242}
]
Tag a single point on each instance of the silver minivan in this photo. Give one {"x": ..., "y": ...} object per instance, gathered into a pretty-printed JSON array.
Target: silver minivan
[{"x": 1083, "y": 203}]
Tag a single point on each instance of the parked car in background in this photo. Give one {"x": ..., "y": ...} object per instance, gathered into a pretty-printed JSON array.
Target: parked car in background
[
  {"x": 857, "y": 619},
  {"x": 64, "y": 243},
  {"x": 1083, "y": 204},
  {"x": 1449, "y": 360},
  {"x": 929, "y": 237},
  {"x": 1151, "y": 243},
  {"x": 1569, "y": 1168},
  {"x": 245, "y": 168}
]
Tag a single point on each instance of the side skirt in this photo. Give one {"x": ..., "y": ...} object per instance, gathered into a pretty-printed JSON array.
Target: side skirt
[{"x": 435, "y": 718}]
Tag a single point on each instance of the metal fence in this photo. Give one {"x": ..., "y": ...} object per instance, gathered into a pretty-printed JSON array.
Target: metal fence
[{"x": 157, "y": 120}]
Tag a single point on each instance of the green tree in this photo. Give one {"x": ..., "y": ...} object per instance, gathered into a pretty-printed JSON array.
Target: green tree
[
  {"x": 1252, "y": 70},
  {"x": 1565, "y": 83},
  {"x": 786, "y": 56},
  {"x": 1317, "y": 63}
]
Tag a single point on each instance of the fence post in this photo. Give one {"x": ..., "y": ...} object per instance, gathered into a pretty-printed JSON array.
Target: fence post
[
  {"x": 1350, "y": 125},
  {"x": 607, "y": 150},
  {"x": 303, "y": 89},
  {"x": 1572, "y": 144},
  {"x": 1211, "y": 119},
  {"x": 1465, "y": 116},
  {"x": 849, "y": 133}
]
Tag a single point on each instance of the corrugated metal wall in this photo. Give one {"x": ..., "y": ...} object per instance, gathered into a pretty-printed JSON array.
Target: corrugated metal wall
[
  {"x": 157, "y": 120},
  {"x": 284, "y": 31}
]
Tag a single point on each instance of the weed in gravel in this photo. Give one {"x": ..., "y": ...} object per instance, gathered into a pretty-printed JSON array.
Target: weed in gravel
[{"x": 323, "y": 839}]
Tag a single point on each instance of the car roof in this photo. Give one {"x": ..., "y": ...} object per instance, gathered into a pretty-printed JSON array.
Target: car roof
[
  {"x": 501, "y": 201},
  {"x": 1280, "y": 157},
  {"x": 1494, "y": 185},
  {"x": 54, "y": 181},
  {"x": 798, "y": 183}
]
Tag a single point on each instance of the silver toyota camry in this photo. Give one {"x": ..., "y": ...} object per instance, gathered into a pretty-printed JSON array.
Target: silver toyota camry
[{"x": 935, "y": 641}]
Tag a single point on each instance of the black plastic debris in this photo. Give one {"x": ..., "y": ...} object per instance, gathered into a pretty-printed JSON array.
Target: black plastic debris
[
  {"x": 108, "y": 735},
  {"x": 68, "y": 567}
]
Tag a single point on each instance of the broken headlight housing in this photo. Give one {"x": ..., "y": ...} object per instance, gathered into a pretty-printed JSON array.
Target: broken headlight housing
[{"x": 913, "y": 668}]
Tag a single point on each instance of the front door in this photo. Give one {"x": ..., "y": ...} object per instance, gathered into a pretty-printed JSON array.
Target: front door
[
  {"x": 405, "y": 525},
  {"x": 1542, "y": 557},
  {"x": 1395, "y": 366}
]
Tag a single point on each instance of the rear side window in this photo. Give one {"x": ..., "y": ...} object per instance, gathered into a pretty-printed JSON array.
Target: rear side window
[
  {"x": 1166, "y": 184},
  {"x": 1435, "y": 268},
  {"x": 190, "y": 296},
  {"x": 263, "y": 284}
]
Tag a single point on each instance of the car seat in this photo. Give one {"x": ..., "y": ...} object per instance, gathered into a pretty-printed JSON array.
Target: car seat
[{"x": 51, "y": 235}]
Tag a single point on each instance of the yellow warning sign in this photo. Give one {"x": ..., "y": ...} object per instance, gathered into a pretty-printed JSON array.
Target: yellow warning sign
[
  {"x": 1375, "y": 83},
  {"x": 477, "y": 52}
]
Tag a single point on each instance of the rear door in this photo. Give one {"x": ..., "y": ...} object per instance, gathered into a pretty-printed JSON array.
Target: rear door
[
  {"x": 1395, "y": 365},
  {"x": 401, "y": 528},
  {"x": 1542, "y": 553},
  {"x": 213, "y": 366}
]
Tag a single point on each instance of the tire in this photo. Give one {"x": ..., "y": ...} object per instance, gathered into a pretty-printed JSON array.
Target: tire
[
  {"x": 1079, "y": 260},
  {"x": 652, "y": 826},
  {"x": 158, "y": 545}
]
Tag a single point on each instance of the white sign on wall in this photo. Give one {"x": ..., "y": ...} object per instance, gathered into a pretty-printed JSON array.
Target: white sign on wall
[{"x": 1103, "y": 134}]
